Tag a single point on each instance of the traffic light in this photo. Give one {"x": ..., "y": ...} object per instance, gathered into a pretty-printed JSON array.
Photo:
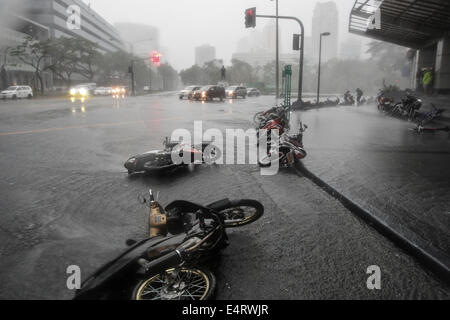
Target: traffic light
[
  {"x": 296, "y": 44},
  {"x": 250, "y": 18},
  {"x": 156, "y": 58}
]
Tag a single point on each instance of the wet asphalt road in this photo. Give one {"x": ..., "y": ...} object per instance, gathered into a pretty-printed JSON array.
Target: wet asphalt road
[{"x": 66, "y": 199}]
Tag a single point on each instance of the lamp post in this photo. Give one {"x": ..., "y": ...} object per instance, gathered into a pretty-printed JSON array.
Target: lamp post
[
  {"x": 277, "y": 53},
  {"x": 324, "y": 34}
]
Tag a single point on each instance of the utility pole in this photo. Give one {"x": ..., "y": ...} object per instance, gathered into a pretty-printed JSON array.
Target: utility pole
[
  {"x": 320, "y": 62},
  {"x": 277, "y": 54}
]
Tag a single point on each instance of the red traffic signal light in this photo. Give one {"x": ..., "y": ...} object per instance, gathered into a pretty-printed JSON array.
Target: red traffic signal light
[
  {"x": 156, "y": 58},
  {"x": 250, "y": 18}
]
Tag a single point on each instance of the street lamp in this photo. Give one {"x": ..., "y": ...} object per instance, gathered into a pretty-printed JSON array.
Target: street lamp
[
  {"x": 324, "y": 34},
  {"x": 277, "y": 58}
]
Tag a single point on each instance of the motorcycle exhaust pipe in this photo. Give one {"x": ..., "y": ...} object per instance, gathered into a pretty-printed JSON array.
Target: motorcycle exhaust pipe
[{"x": 168, "y": 261}]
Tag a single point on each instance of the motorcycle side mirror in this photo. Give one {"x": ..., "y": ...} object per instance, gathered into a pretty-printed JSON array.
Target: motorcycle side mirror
[{"x": 130, "y": 242}]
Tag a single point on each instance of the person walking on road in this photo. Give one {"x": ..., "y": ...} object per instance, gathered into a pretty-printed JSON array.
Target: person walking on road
[
  {"x": 428, "y": 82},
  {"x": 359, "y": 94}
]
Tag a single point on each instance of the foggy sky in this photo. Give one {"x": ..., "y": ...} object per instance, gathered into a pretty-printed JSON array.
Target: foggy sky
[{"x": 185, "y": 24}]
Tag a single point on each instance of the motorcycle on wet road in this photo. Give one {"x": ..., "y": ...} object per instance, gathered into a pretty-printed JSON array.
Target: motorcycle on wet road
[
  {"x": 163, "y": 160},
  {"x": 171, "y": 264}
]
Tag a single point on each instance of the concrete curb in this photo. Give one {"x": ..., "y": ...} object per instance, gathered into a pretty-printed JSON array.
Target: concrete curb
[{"x": 439, "y": 268}]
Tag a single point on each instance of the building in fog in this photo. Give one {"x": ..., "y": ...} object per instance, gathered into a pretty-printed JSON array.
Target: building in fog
[
  {"x": 261, "y": 58},
  {"x": 259, "y": 41},
  {"x": 14, "y": 28},
  {"x": 44, "y": 19},
  {"x": 325, "y": 19},
  {"x": 55, "y": 15},
  {"x": 140, "y": 38},
  {"x": 204, "y": 53}
]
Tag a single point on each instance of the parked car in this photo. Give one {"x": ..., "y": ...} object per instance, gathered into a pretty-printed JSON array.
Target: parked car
[
  {"x": 253, "y": 92},
  {"x": 83, "y": 90},
  {"x": 16, "y": 92},
  {"x": 188, "y": 91},
  {"x": 236, "y": 91},
  {"x": 209, "y": 93},
  {"x": 103, "y": 91}
]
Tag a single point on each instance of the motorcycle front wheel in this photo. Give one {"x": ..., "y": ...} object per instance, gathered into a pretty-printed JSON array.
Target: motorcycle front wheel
[
  {"x": 241, "y": 213},
  {"x": 188, "y": 284}
]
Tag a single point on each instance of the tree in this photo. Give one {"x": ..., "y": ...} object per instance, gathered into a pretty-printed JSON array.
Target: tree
[
  {"x": 169, "y": 76},
  {"x": 64, "y": 59},
  {"x": 389, "y": 57},
  {"x": 113, "y": 66},
  {"x": 241, "y": 72},
  {"x": 193, "y": 76},
  {"x": 33, "y": 53}
]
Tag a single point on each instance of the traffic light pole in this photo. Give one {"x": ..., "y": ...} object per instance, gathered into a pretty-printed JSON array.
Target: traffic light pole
[
  {"x": 133, "y": 87},
  {"x": 302, "y": 28}
]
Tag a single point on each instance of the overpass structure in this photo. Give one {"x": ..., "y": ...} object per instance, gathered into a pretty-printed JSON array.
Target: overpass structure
[{"x": 422, "y": 25}]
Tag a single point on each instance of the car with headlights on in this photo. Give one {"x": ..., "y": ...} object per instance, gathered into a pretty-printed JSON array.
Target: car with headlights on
[
  {"x": 119, "y": 91},
  {"x": 83, "y": 90},
  {"x": 16, "y": 92},
  {"x": 209, "y": 93},
  {"x": 188, "y": 92},
  {"x": 236, "y": 91}
]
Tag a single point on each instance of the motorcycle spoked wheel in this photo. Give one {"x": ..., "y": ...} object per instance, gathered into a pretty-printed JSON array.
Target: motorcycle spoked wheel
[
  {"x": 190, "y": 284},
  {"x": 241, "y": 213}
]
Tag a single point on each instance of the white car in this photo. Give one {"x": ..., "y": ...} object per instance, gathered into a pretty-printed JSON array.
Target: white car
[
  {"x": 16, "y": 92},
  {"x": 188, "y": 92},
  {"x": 103, "y": 91}
]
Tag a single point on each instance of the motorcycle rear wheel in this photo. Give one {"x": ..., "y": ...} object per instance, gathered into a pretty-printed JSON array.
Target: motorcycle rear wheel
[
  {"x": 191, "y": 284},
  {"x": 241, "y": 213}
]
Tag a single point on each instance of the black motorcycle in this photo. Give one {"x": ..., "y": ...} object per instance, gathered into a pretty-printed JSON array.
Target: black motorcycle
[
  {"x": 407, "y": 108},
  {"x": 162, "y": 160},
  {"x": 170, "y": 264}
]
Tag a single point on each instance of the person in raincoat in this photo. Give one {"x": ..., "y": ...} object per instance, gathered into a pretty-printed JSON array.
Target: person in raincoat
[{"x": 428, "y": 82}]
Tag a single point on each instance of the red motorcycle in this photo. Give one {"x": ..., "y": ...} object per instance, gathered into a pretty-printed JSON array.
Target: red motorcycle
[{"x": 288, "y": 151}]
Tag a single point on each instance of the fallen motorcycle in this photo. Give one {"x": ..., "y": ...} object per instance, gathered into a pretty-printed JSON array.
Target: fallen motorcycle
[
  {"x": 289, "y": 150},
  {"x": 261, "y": 118},
  {"x": 170, "y": 264},
  {"x": 424, "y": 118},
  {"x": 161, "y": 160}
]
